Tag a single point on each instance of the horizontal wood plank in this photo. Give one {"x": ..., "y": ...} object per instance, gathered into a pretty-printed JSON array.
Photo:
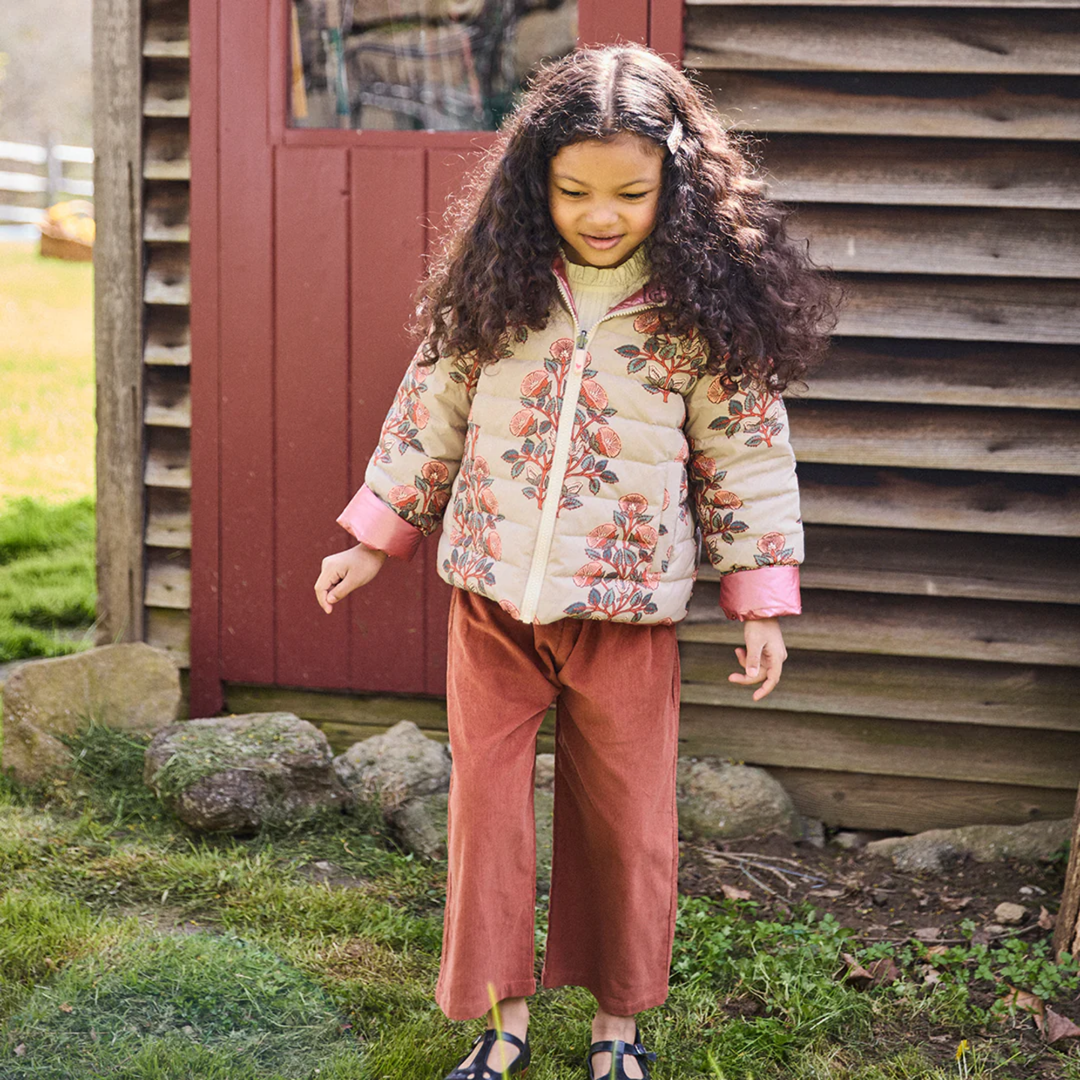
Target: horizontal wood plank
[
  {"x": 935, "y": 437},
  {"x": 1034, "y": 569},
  {"x": 884, "y": 747},
  {"x": 961, "y": 308},
  {"x": 167, "y": 89},
  {"x": 168, "y": 579},
  {"x": 942, "y": 627},
  {"x": 977, "y": 107},
  {"x": 168, "y": 276},
  {"x": 166, "y": 217},
  {"x": 166, "y": 150},
  {"x": 169, "y": 629},
  {"x": 168, "y": 336},
  {"x": 167, "y": 397},
  {"x": 166, "y": 35},
  {"x": 917, "y": 372},
  {"x": 914, "y": 172},
  {"x": 168, "y": 458},
  {"x": 1003, "y": 503},
  {"x": 942, "y": 240},
  {"x": 168, "y": 518},
  {"x": 1015, "y": 696},
  {"x": 913, "y": 804},
  {"x": 753, "y": 38}
]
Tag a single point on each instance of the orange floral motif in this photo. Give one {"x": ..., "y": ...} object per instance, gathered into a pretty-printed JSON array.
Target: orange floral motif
[
  {"x": 619, "y": 570},
  {"x": 473, "y": 535},
  {"x": 408, "y": 416},
  {"x": 670, "y": 363},
  {"x": 716, "y": 507},
  {"x": 756, "y": 414},
  {"x": 422, "y": 502},
  {"x": 592, "y": 442},
  {"x": 772, "y": 551}
]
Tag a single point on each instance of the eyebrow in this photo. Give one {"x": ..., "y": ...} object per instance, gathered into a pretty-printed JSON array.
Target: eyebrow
[{"x": 581, "y": 183}]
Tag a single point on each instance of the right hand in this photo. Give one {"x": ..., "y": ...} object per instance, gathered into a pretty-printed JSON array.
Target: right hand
[{"x": 345, "y": 571}]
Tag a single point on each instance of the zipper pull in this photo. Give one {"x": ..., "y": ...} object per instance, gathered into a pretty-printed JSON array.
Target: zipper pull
[{"x": 581, "y": 339}]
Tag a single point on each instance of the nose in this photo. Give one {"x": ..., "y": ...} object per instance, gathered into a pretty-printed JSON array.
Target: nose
[{"x": 603, "y": 216}]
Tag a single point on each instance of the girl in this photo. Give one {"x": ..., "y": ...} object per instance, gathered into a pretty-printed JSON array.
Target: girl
[{"x": 605, "y": 337}]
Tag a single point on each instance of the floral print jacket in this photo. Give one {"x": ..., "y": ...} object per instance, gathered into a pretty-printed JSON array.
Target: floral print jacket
[{"x": 571, "y": 476}]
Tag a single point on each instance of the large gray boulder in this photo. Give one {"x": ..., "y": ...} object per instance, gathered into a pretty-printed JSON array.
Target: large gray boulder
[
  {"x": 131, "y": 687},
  {"x": 938, "y": 849},
  {"x": 720, "y": 801},
  {"x": 398, "y": 765},
  {"x": 233, "y": 773}
]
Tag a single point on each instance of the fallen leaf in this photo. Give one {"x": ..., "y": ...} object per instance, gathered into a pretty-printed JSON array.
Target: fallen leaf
[
  {"x": 884, "y": 971},
  {"x": 732, "y": 893},
  {"x": 829, "y": 894},
  {"x": 66, "y": 1008},
  {"x": 928, "y": 933},
  {"x": 955, "y": 903},
  {"x": 937, "y": 950},
  {"x": 1022, "y": 999},
  {"x": 1055, "y": 1026},
  {"x": 20, "y": 1050},
  {"x": 929, "y": 973},
  {"x": 856, "y": 974},
  {"x": 1046, "y": 920}
]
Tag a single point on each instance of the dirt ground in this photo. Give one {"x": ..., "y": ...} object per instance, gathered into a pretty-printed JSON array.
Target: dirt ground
[{"x": 881, "y": 903}]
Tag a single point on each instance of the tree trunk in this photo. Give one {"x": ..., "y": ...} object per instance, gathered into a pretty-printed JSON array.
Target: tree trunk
[{"x": 1067, "y": 926}]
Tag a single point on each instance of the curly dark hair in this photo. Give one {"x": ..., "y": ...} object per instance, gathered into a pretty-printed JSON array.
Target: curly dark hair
[{"x": 719, "y": 247}]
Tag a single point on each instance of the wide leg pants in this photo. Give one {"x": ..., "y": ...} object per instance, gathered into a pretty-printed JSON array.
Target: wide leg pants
[{"x": 615, "y": 849}]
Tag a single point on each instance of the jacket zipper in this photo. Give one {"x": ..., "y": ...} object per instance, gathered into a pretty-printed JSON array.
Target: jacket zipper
[{"x": 561, "y": 454}]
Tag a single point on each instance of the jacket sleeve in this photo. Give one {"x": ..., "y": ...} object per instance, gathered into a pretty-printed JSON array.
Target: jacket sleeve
[
  {"x": 409, "y": 476},
  {"x": 745, "y": 495}
]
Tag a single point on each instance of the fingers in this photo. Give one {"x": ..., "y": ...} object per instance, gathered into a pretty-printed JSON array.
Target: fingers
[{"x": 324, "y": 589}]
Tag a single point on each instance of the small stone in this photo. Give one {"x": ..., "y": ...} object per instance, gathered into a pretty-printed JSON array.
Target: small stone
[
  {"x": 813, "y": 832},
  {"x": 1010, "y": 914},
  {"x": 879, "y": 897},
  {"x": 721, "y": 801},
  {"x": 545, "y": 772},
  {"x": 400, "y": 764}
]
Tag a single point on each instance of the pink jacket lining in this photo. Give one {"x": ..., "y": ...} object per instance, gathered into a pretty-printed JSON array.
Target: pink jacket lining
[{"x": 764, "y": 593}]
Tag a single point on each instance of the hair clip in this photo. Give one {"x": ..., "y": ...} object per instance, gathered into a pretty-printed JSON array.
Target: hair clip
[{"x": 676, "y": 135}]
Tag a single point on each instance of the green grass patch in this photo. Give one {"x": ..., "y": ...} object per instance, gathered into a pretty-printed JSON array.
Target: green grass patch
[
  {"x": 47, "y": 578},
  {"x": 132, "y": 947},
  {"x": 47, "y": 372}
]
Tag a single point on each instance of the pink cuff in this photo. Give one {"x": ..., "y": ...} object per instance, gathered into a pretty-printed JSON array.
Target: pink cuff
[
  {"x": 373, "y": 523},
  {"x": 763, "y": 593}
]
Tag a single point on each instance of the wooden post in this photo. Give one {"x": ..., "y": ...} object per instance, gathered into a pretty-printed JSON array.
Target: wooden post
[
  {"x": 1067, "y": 926},
  {"x": 117, "y": 68}
]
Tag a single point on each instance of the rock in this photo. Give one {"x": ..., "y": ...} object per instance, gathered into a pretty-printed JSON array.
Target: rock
[
  {"x": 394, "y": 767},
  {"x": 813, "y": 832},
  {"x": 233, "y": 773},
  {"x": 132, "y": 687},
  {"x": 718, "y": 800},
  {"x": 545, "y": 772},
  {"x": 420, "y": 826},
  {"x": 936, "y": 849},
  {"x": 1010, "y": 914}
]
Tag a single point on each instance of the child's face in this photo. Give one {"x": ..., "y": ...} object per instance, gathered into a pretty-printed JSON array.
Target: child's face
[{"x": 603, "y": 197}]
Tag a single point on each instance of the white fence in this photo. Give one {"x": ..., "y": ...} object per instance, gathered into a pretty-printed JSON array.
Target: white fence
[{"x": 42, "y": 189}]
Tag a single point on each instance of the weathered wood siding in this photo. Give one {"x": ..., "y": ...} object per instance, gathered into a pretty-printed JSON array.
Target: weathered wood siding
[{"x": 930, "y": 153}]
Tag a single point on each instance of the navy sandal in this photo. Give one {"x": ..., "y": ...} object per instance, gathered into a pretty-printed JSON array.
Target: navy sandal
[
  {"x": 479, "y": 1069},
  {"x": 618, "y": 1048}
]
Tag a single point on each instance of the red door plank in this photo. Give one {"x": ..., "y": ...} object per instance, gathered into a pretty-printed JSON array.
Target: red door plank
[
  {"x": 386, "y": 236},
  {"x": 311, "y": 402},
  {"x": 205, "y": 685},
  {"x": 666, "y": 28},
  {"x": 602, "y": 22},
  {"x": 246, "y": 344}
]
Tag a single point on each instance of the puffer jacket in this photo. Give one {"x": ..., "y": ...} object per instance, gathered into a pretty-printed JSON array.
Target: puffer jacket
[{"x": 571, "y": 476}]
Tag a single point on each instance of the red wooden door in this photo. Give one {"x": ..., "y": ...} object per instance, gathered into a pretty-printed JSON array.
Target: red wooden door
[{"x": 307, "y": 245}]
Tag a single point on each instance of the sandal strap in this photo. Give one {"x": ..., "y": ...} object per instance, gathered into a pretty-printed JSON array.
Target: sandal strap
[
  {"x": 613, "y": 1045},
  {"x": 479, "y": 1065}
]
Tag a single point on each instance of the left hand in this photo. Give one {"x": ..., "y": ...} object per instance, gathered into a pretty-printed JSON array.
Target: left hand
[{"x": 763, "y": 657}]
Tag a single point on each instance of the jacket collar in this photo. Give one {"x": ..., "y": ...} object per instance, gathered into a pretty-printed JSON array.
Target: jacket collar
[{"x": 650, "y": 294}]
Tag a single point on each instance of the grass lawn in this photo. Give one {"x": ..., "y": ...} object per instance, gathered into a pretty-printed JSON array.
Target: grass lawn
[
  {"x": 46, "y": 454},
  {"x": 132, "y": 948},
  {"x": 47, "y": 375}
]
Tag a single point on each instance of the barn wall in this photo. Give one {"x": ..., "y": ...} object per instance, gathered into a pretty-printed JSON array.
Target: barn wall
[
  {"x": 933, "y": 677},
  {"x": 930, "y": 155}
]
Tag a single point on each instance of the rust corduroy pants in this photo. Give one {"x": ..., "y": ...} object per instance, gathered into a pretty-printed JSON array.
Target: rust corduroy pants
[{"x": 611, "y": 919}]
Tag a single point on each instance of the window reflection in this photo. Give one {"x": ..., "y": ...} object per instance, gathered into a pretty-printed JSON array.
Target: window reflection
[{"x": 447, "y": 65}]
